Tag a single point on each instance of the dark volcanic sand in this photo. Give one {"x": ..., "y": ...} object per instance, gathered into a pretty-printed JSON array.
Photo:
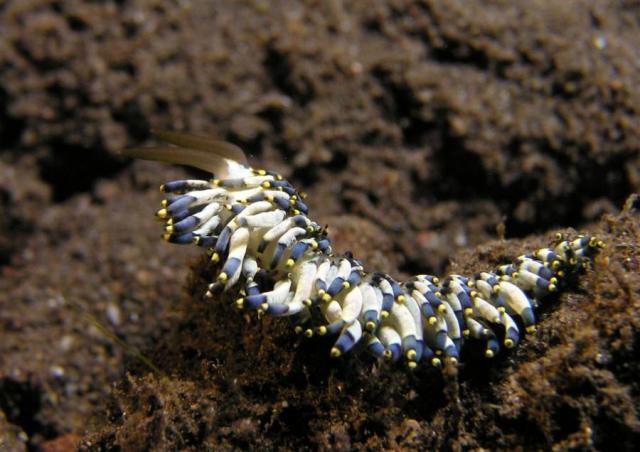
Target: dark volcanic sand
[{"x": 416, "y": 128}]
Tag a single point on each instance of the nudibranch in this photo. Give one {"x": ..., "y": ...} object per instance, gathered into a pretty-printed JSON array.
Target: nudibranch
[{"x": 254, "y": 225}]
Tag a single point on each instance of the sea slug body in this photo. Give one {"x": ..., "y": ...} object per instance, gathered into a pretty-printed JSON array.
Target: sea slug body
[{"x": 254, "y": 224}]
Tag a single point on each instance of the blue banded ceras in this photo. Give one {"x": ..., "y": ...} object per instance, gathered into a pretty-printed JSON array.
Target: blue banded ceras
[{"x": 255, "y": 223}]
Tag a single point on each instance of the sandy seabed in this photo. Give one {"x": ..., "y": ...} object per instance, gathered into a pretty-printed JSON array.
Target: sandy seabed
[{"x": 417, "y": 128}]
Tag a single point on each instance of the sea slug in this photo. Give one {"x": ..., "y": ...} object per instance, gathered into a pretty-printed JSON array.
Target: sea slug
[{"x": 254, "y": 225}]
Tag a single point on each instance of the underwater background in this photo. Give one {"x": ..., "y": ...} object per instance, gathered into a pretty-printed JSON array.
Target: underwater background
[{"x": 431, "y": 136}]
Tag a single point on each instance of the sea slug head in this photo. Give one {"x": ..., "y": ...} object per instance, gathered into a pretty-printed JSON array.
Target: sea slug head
[{"x": 224, "y": 160}]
